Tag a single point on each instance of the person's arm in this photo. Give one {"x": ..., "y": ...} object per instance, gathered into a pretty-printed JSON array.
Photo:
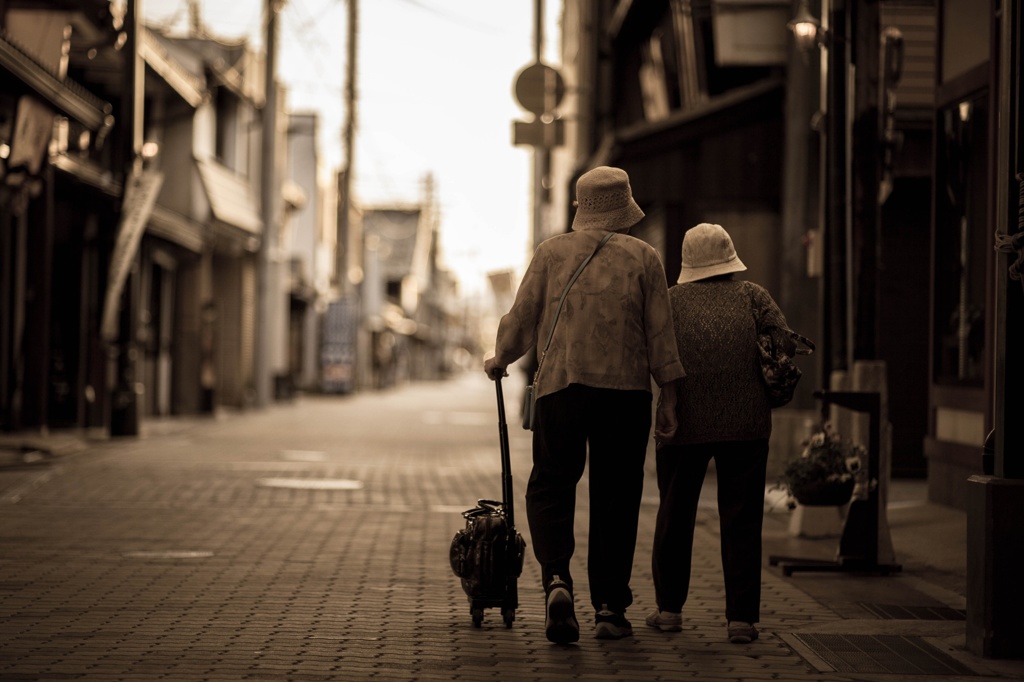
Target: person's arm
[
  {"x": 666, "y": 420},
  {"x": 771, "y": 320},
  {"x": 517, "y": 331},
  {"x": 662, "y": 352}
]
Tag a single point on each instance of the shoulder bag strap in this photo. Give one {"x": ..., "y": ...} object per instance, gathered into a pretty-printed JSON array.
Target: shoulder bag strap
[{"x": 572, "y": 280}]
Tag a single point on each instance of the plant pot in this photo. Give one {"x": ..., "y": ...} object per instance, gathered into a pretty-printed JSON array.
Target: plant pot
[{"x": 823, "y": 493}]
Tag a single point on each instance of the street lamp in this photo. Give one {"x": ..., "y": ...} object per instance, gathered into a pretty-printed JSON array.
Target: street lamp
[{"x": 806, "y": 29}]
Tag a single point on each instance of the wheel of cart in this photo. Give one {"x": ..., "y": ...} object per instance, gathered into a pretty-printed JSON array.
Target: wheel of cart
[
  {"x": 478, "y": 617},
  {"x": 509, "y": 615}
]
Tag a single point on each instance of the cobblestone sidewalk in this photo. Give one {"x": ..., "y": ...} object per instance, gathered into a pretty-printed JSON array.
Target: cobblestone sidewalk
[{"x": 310, "y": 541}]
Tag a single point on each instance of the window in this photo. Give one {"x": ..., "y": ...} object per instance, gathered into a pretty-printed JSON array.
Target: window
[{"x": 227, "y": 129}]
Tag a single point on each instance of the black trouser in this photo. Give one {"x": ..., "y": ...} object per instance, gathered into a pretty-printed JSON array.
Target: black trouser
[
  {"x": 740, "y": 466},
  {"x": 616, "y": 425}
]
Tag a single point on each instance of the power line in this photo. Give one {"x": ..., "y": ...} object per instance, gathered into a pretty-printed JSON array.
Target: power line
[{"x": 453, "y": 18}]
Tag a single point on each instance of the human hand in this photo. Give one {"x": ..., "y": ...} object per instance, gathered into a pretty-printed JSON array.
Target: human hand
[
  {"x": 492, "y": 370},
  {"x": 665, "y": 423}
]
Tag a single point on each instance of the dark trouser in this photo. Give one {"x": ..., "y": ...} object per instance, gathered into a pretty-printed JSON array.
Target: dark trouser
[
  {"x": 616, "y": 424},
  {"x": 740, "y": 466}
]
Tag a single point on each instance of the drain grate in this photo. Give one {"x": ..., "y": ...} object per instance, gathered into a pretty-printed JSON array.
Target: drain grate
[
  {"x": 897, "y": 612},
  {"x": 875, "y": 654}
]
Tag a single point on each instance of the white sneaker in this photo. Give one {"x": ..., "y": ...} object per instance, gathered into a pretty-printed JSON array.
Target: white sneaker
[
  {"x": 741, "y": 633},
  {"x": 666, "y": 621}
]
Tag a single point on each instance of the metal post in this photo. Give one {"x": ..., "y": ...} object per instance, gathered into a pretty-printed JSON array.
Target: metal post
[
  {"x": 1009, "y": 451},
  {"x": 539, "y": 153},
  {"x": 995, "y": 504},
  {"x": 836, "y": 349},
  {"x": 825, "y": 362}
]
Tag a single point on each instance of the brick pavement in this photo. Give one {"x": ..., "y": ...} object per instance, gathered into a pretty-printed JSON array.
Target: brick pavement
[{"x": 309, "y": 541}]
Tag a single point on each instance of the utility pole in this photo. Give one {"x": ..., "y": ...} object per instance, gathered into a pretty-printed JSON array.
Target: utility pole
[
  {"x": 345, "y": 240},
  {"x": 265, "y": 317},
  {"x": 195, "y": 20},
  {"x": 122, "y": 349}
]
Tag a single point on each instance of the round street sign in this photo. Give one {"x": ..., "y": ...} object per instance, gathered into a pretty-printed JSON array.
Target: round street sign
[{"x": 539, "y": 88}]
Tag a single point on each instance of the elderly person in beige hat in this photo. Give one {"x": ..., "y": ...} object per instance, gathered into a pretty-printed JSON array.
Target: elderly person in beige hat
[
  {"x": 723, "y": 414},
  {"x": 613, "y": 336}
]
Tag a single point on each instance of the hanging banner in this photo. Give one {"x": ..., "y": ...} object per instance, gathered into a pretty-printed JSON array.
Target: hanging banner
[
  {"x": 33, "y": 127},
  {"x": 139, "y": 197}
]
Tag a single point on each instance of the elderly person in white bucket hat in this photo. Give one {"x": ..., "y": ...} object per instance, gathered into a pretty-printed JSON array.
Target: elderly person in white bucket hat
[
  {"x": 613, "y": 335},
  {"x": 723, "y": 413}
]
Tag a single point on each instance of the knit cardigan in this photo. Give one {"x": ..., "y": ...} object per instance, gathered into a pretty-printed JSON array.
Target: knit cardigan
[{"x": 716, "y": 324}]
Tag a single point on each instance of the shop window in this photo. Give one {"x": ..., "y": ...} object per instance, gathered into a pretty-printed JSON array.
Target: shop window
[{"x": 962, "y": 243}]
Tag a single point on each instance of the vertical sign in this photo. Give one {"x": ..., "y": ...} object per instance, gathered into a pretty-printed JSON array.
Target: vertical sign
[{"x": 139, "y": 196}]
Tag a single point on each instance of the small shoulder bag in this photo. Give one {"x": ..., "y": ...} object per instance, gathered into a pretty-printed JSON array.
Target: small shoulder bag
[
  {"x": 530, "y": 398},
  {"x": 778, "y": 367}
]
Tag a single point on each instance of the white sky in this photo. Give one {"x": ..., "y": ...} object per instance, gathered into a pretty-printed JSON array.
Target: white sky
[{"x": 435, "y": 96}]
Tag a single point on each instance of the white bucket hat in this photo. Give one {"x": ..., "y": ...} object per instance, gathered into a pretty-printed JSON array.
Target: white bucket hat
[
  {"x": 708, "y": 251},
  {"x": 604, "y": 200}
]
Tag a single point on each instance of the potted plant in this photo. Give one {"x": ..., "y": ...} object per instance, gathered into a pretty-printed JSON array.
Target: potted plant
[{"x": 826, "y": 472}]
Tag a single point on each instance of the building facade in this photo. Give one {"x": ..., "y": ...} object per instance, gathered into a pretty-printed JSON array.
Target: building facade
[
  {"x": 130, "y": 225},
  {"x": 855, "y": 174}
]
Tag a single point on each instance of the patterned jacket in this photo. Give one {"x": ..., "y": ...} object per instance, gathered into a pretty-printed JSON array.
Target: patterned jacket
[
  {"x": 716, "y": 324},
  {"x": 615, "y": 328}
]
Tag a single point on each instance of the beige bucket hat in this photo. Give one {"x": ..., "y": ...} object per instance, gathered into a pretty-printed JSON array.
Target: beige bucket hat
[
  {"x": 708, "y": 251},
  {"x": 604, "y": 201}
]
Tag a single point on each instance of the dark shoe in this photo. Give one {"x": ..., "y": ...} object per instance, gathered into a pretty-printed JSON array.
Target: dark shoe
[
  {"x": 741, "y": 633},
  {"x": 611, "y": 625},
  {"x": 560, "y": 624}
]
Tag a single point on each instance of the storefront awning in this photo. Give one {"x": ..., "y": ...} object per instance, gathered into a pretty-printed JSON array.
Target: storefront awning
[
  {"x": 642, "y": 139},
  {"x": 187, "y": 85},
  {"x": 231, "y": 199},
  {"x": 88, "y": 172},
  {"x": 163, "y": 222},
  {"x": 66, "y": 95},
  {"x": 176, "y": 228}
]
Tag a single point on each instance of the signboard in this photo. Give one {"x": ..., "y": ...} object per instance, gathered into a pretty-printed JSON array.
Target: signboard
[
  {"x": 539, "y": 89},
  {"x": 538, "y": 133},
  {"x": 139, "y": 197},
  {"x": 33, "y": 127},
  {"x": 750, "y": 32}
]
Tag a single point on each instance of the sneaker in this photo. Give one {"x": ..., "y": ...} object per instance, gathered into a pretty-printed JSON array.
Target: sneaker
[
  {"x": 611, "y": 625},
  {"x": 741, "y": 633},
  {"x": 666, "y": 621},
  {"x": 560, "y": 624}
]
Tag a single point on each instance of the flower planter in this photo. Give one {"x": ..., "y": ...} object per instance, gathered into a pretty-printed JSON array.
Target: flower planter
[{"x": 824, "y": 493}]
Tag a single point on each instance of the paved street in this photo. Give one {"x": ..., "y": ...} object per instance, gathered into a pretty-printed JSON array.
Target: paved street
[{"x": 309, "y": 541}]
